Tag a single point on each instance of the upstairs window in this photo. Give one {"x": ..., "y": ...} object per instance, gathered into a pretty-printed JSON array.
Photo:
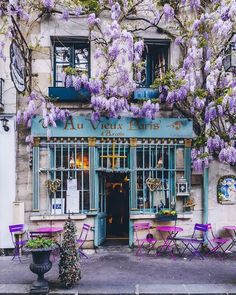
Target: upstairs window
[
  {"x": 155, "y": 58},
  {"x": 70, "y": 53}
]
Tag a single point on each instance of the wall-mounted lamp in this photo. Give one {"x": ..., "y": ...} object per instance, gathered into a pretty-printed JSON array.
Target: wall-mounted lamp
[
  {"x": 229, "y": 61},
  {"x": 5, "y": 124}
]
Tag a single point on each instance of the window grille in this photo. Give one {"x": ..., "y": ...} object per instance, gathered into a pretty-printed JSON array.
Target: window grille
[
  {"x": 162, "y": 161},
  {"x": 63, "y": 177}
]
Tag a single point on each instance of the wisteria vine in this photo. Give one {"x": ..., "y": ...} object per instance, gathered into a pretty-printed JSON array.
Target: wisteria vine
[{"x": 197, "y": 86}]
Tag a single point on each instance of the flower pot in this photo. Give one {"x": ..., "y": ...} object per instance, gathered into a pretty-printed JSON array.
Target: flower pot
[
  {"x": 161, "y": 217},
  {"x": 40, "y": 265}
]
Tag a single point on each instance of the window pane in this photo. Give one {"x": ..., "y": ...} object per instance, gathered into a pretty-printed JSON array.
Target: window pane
[
  {"x": 155, "y": 62},
  {"x": 81, "y": 59},
  {"x": 62, "y": 54}
]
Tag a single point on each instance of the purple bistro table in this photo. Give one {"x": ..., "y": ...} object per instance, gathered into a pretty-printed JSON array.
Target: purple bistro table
[
  {"x": 169, "y": 241},
  {"x": 233, "y": 237}
]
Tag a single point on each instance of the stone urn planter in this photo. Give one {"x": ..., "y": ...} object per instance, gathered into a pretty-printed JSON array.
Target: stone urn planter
[{"x": 41, "y": 264}]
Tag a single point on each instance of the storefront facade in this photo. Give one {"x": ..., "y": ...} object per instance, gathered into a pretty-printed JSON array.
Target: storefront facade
[{"x": 98, "y": 171}]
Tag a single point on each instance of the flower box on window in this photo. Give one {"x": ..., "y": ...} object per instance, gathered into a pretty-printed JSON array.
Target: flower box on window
[
  {"x": 166, "y": 215},
  {"x": 63, "y": 94},
  {"x": 146, "y": 93}
]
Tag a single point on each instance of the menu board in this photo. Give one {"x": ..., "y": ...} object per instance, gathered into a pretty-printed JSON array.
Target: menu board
[{"x": 72, "y": 199}]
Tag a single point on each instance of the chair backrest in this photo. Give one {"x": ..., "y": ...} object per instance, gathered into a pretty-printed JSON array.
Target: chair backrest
[
  {"x": 210, "y": 229},
  {"x": 141, "y": 226},
  {"x": 84, "y": 233},
  {"x": 199, "y": 228},
  {"x": 15, "y": 228}
]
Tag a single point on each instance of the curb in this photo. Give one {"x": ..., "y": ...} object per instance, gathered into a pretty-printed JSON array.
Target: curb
[{"x": 139, "y": 289}]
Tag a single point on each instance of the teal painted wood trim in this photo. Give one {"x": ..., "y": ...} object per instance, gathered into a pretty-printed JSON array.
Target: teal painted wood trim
[
  {"x": 187, "y": 165},
  {"x": 80, "y": 126},
  {"x": 92, "y": 178},
  {"x": 133, "y": 178},
  {"x": 131, "y": 232},
  {"x": 69, "y": 94},
  {"x": 205, "y": 194},
  {"x": 35, "y": 178},
  {"x": 96, "y": 232},
  {"x": 96, "y": 181}
]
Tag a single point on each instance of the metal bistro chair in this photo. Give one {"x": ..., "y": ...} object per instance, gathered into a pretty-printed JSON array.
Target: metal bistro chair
[
  {"x": 82, "y": 238},
  {"x": 17, "y": 231},
  {"x": 148, "y": 242},
  {"x": 194, "y": 243},
  {"x": 215, "y": 243}
]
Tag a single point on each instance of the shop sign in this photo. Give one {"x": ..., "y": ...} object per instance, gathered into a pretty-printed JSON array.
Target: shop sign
[{"x": 80, "y": 126}]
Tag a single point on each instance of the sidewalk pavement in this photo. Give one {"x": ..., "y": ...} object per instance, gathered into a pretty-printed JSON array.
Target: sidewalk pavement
[{"x": 114, "y": 271}]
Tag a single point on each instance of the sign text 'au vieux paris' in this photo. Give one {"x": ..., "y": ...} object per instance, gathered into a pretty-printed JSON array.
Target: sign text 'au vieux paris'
[{"x": 80, "y": 126}]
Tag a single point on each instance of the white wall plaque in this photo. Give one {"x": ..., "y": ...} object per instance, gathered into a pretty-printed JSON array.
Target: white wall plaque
[{"x": 58, "y": 206}]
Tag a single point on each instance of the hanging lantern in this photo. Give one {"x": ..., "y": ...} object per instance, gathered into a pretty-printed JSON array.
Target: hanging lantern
[
  {"x": 182, "y": 187},
  {"x": 229, "y": 61}
]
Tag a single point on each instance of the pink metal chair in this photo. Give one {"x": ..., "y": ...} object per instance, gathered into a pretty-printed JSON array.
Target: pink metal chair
[
  {"x": 17, "y": 231},
  {"x": 82, "y": 238},
  {"x": 148, "y": 242},
  {"x": 215, "y": 243}
]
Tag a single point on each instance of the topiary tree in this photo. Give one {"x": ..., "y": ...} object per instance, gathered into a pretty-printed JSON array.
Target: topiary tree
[{"x": 69, "y": 266}]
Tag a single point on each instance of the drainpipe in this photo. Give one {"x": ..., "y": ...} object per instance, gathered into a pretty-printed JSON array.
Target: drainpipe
[{"x": 205, "y": 194}]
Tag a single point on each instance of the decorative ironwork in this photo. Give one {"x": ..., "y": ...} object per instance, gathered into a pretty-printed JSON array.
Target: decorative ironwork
[
  {"x": 114, "y": 156},
  {"x": 153, "y": 183},
  {"x": 53, "y": 185},
  {"x": 20, "y": 60}
]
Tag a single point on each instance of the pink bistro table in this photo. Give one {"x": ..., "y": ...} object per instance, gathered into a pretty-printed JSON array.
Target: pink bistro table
[
  {"x": 46, "y": 231},
  {"x": 231, "y": 228},
  {"x": 169, "y": 239}
]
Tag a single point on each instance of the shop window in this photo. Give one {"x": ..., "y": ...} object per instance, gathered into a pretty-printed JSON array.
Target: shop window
[
  {"x": 158, "y": 167},
  {"x": 155, "y": 58},
  {"x": 70, "y": 53},
  {"x": 63, "y": 181}
]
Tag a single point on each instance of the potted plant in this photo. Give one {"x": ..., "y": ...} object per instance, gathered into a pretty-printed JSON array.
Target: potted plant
[
  {"x": 41, "y": 249},
  {"x": 166, "y": 215}
]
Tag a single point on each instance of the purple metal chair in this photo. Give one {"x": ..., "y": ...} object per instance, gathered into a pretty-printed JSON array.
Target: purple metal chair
[
  {"x": 194, "y": 243},
  {"x": 148, "y": 242},
  {"x": 17, "y": 231},
  {"x": 82, "y": 238},
  {"x": 215, "y": 243}
]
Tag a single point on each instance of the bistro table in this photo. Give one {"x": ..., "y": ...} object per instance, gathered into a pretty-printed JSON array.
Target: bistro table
[
  {"x": 46, "y": 231},
  {"x": 169, "y": 241},
  {"x": 233, "y": 237}
]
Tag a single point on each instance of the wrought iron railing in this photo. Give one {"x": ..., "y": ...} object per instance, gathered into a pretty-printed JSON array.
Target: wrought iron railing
[{"x": 1, "y": 89}]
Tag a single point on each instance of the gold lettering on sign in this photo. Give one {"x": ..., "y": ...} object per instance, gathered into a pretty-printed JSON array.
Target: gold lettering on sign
[
  {"x": 69, "y": 122},
  {"x": 136, "y": 125}
]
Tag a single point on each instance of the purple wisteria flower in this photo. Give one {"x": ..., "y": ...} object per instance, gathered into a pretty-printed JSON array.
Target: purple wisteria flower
[
  {"x": 168, "y": 12},
  {"x": 228, "y": 155},
  {"x": 215, "y": 143},
  {"x": 195, "y": 4},
  {"x": 48, "y": 4},
  {"x": 115, "y": 11},
  {"x": 92, "y": 20},
  {"x": 65, "y": 15}
]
